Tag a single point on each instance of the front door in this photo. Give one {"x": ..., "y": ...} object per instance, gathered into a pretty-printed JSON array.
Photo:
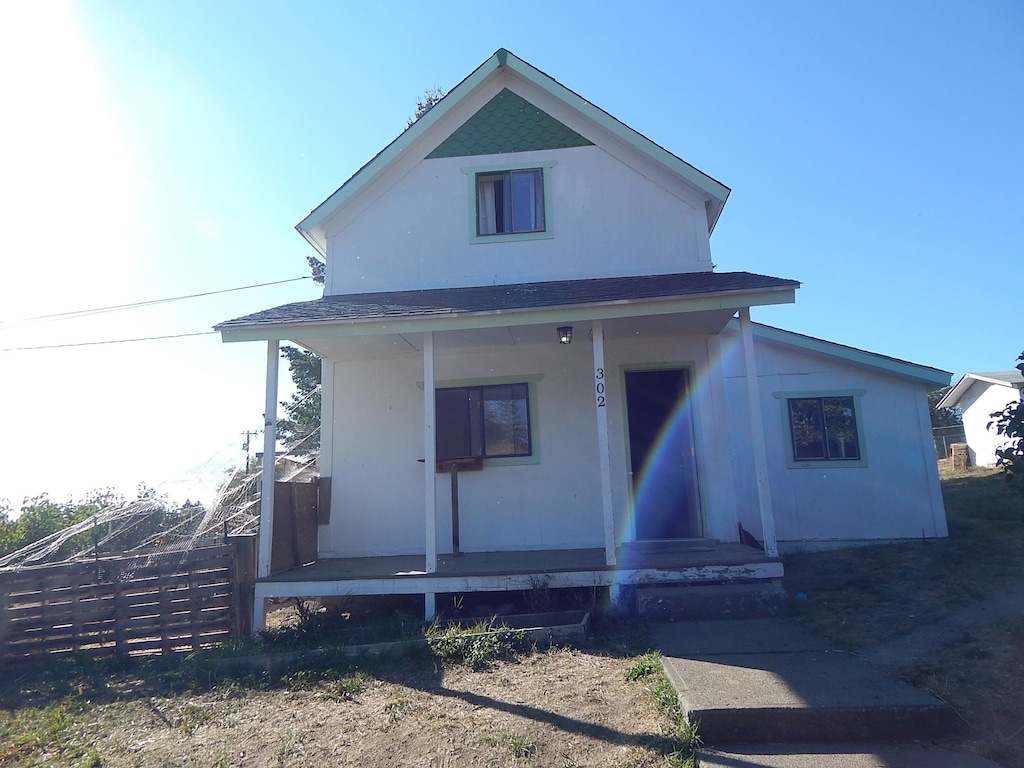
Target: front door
[{"x": 661, "y": 454}]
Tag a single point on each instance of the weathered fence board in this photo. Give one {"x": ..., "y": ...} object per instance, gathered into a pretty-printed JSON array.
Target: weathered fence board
[{"x": 128, "y": 605}]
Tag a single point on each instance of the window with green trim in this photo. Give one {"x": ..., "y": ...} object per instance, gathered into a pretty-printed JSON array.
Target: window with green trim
[
  {"x": 824, "y": 428},
  {"x": 490, "y": 421},
  {"x": 510, "y": 202}
]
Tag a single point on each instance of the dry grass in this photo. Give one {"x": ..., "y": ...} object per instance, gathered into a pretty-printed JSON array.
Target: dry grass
[
  {"x": 559, "y": 707},
  {"x": 864, "y": 596}
]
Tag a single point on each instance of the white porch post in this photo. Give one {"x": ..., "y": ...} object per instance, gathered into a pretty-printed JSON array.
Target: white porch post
[
  {"x": 601, "y": 380},
  {"x": 764, "y": 494},
  {"x": 429, "y": 453},
  {"x": 267, "y": 485}
]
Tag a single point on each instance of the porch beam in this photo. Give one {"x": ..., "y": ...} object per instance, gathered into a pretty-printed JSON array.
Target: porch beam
[
  {"x": 429, "y": 453},
  {"x": 601, "y": 395},
  {"x": 764, "y": 493}
]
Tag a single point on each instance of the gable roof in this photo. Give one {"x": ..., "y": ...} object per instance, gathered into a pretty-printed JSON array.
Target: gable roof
[
  {"x": 933, "y": 377},
  {"x": 515, "y": 304},
  {"x": 1013, "y": 379},
  {"x": 311, "y": 227}
]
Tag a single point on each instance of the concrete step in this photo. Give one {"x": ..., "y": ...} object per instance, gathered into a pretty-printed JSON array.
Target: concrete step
[
  {"x": 715, "y": 601},
  {"x": 768, "y": 681},
  {"x": 841, "y": 756}
]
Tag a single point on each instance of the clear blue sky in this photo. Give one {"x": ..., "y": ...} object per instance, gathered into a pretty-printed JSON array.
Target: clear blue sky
[{"x": 157, "y": 149}]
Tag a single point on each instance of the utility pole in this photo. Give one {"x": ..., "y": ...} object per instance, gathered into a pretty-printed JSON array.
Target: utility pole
[{"x": 248, "y": 434}]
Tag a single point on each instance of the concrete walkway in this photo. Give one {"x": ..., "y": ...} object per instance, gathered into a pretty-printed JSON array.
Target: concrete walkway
[{"x": 791, "y": 701}]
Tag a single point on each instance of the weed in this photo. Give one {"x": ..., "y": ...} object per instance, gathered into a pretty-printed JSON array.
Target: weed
[
  {"x": 516, "y": 744},
  {"x": 684, "y": 739},
  {"x": 477, "y": 646},
  {"x": 644, "y": 666},
  {"x": 395, "y": 708},
  {"x": 192, "y": 716}
]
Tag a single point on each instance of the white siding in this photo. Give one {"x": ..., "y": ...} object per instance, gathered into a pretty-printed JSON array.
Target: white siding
[
  {"x": 977, "y": 405},
  {"x": 893, "y": 495}
]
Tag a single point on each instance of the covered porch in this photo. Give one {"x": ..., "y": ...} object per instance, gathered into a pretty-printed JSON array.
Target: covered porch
[
  {"x": 638, "y": 564},
  {"x": 562, "y": 511}
]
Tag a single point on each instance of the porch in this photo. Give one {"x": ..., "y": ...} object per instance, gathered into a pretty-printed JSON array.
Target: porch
[{"x": 690, "y": 562}]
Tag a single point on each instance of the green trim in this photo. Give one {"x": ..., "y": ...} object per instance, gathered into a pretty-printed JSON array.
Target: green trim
[
  {"x": 509, "y": 318},
  {"x": 549, "y": 225},
  {"x": 508, "y": 123},
  {"x": 531, "y": 381},
  {"x": 824, "y": 464}
]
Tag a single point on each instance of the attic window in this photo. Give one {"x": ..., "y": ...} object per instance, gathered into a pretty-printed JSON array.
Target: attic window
[{"x": 510, "y": 202}]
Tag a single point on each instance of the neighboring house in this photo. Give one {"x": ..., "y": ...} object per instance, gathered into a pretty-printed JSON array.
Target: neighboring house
[
  {"x": 522, "y": 286},
  {"x": 978, "y": 396}
]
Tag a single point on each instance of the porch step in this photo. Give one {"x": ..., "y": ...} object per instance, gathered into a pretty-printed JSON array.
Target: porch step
[
  {"x": 769, "y": 681},
  {"x": 714, "y": 601}
]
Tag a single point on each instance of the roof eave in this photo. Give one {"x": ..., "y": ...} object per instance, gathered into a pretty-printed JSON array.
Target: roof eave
[
  {"x": 448, "y": 321},
  {"x": 894, "y": 366}
]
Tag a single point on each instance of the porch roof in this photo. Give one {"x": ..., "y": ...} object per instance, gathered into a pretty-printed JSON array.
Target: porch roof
[{"x": 512, "y": 304}]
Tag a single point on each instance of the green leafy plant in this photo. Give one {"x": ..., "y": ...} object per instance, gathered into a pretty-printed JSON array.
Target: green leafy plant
[
  {"x": 684, "y": 739},
  {"x": 477, "y": 646},
  {"x": 1009, "y": 423}
]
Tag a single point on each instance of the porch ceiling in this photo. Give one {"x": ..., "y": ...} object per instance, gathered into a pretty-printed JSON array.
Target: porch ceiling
[{"x": 708, "y": 322}]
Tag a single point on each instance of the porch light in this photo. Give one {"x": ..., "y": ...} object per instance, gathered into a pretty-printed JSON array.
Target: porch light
[{"x": 565, "y": 334}]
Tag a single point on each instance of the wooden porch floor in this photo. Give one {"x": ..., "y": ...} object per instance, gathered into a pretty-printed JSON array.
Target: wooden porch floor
[{"x": 697, "y": 558}]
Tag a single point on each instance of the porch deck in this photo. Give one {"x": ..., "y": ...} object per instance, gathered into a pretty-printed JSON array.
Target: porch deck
[{"x": 641, "y": 563}]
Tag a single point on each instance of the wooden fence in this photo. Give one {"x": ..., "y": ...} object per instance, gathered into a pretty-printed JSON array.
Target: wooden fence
[{"x": 129, "y": 605}]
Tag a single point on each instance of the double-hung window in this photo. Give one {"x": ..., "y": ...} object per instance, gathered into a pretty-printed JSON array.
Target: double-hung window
[
  {"x": 824, "y": 428},
  {"x": 489, "y": 421},
  {"x": 510, "y": 202}
]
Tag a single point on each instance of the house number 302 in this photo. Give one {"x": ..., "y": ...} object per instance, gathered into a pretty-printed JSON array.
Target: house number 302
[{"x": 599, "y": 386}]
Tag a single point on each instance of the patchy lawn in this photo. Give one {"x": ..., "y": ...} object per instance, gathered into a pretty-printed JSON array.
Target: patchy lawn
[{"x": 864, "y": 596}]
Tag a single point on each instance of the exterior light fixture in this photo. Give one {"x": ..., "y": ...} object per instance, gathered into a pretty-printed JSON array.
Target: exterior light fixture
[{"x": 565, "y": 334}]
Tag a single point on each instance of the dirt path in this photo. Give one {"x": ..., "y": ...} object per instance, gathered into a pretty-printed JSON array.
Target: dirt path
[{"x": 928, "y": 640}]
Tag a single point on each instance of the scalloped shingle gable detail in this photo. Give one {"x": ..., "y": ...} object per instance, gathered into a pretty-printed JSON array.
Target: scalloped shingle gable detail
[{"x": 508, "y": 123}]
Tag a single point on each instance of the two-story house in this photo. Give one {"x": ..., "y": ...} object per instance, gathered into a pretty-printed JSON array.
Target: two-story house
[{"x": 522, "y": 286}]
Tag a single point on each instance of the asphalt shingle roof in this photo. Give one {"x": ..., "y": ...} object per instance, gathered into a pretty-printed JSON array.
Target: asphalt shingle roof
[{"x": 516, "y": 296}]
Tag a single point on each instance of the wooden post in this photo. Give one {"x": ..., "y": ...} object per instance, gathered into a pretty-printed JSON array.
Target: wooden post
[
  {"x": 757, "y": 443},
  {"x": 601, "y": 394},
  {"x": 453, "y": 467},
  {"x": 243, "y": 578},
  {"x": 269, "y": 448},
  {"x": 429, "y": 454}
]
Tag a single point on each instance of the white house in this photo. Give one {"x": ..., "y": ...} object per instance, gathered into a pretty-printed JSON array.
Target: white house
[
  {"x": 978, "y": 396},
  {"x": 522, "y": 286}
]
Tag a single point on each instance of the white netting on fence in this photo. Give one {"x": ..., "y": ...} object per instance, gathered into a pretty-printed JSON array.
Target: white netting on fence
[{"x": 161, "y": 529}]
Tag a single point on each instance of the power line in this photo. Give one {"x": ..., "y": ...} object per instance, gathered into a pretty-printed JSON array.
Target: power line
[
  {"x": 135, "y": 305},
  {"x": 108, "y": 341}
]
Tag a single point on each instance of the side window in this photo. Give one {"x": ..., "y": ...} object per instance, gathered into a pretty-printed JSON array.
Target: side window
[
  {"x": 824, "y": 428},
  {"x": 510, "y": 202},
  {"x": 490, "y": 421}
]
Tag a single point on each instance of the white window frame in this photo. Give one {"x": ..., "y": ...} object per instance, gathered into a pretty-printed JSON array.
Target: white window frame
[{"x": 472, "y": 176}]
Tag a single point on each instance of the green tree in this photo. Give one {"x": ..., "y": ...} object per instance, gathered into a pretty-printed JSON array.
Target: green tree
[
  {"x": 429, "y": 98},
  {"x": 41, "y": 516},
  {"x": 1009, "y": 423},
  {"x": 301, "y": 426},
  {"x": 943, "y": 417}
]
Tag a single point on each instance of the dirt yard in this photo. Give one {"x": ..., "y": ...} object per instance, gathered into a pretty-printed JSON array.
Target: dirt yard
[{"x": 553, "y": 708}]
